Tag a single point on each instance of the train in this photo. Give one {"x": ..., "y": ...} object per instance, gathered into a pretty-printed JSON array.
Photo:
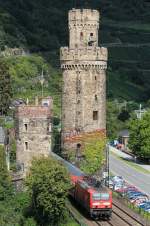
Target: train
[{"x": 90, "y": 194}]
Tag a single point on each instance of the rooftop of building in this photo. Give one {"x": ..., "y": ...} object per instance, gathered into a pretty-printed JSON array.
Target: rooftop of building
[{"x": 42, "y": 109}]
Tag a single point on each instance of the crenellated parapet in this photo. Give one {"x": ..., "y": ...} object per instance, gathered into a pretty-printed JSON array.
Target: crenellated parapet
[
  {"x": 84, "y": 54},
  {"x": 101, "y": 65},
  {"x": 83, "y": 17}
]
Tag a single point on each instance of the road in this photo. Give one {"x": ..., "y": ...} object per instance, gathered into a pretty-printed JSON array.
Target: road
[{"x": 131, "y": 175}]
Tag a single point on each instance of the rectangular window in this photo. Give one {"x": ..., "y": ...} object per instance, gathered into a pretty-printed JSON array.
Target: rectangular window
[
  {"x": 26, "y": 146},
  {"x": 95, "y": 115},
  {"x": 25, "y": 127},
  {"x": 101, "y": 196}
]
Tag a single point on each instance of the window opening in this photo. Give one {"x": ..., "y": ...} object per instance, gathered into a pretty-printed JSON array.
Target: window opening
[
  {"x": 91, "y": 34},
  {"x": 26, "y": 145},
  {"x": 81, "y": 34},
  {"x": 78, "y": 145},
  {"x": 26, "y": 127},
  {"x": 78, "y": 86},
  {"x": 96, "y": 98},
  {"x": 95, "y": 78},
  {"x": 78, "y": 150},
  {"x": 95, "y": 115}
]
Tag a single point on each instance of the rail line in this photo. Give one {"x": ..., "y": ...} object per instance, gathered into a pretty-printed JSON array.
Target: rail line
[
  {"x": 120, "y": 217},
  {"x": 124, "y": 215}
]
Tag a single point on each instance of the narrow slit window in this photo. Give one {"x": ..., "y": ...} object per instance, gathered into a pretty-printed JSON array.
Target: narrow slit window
[
  {"x": 96, "y": 98},
  {"x": 26, "y": 126},
  {"x": 26, "y": 146},
  {"x": 95, "y": 115}
]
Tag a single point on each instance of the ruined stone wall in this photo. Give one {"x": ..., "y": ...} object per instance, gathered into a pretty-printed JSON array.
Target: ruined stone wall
[{"x": 33, "y": 133}]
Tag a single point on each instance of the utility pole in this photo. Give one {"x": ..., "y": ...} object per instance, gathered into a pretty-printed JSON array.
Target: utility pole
[
  {"x": 106, "y": 168},
  {"x": 140, "y": 111},
  {"x": 42, "y": 81},
  {"x": 107, "y": 151}
]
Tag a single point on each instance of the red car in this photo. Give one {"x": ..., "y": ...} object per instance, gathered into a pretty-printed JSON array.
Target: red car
[{"x": 96, "y": 201}]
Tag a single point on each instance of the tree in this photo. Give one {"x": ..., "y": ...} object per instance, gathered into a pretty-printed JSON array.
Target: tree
[
  {"x": 5, "y": 87},
  {"x": 48, "y": 183},
  {"x": 5, "y": 181},
  {"x": 139, "y": 141},
  {"x": 94, "y": 154},
  {"x": 124, "y": 115}
]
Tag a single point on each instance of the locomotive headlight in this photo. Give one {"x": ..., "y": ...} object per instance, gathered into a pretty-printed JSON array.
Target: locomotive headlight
[
  {"x": 106, "y": 203},
  {"x": 96, "y": 204}
]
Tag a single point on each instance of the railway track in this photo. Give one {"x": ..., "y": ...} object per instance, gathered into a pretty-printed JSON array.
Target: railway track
[{"x": 121, "y": 216}]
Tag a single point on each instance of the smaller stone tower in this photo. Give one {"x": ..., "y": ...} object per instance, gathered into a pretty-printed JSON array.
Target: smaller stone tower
[{"x": 33, "y": 132}]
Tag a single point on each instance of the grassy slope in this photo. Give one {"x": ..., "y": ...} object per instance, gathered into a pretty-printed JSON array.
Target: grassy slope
[{"x": 34, "y": 24}]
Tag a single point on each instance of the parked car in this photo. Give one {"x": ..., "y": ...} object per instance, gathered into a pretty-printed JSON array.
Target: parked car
[
  {"x": 116, "y": 179},
  {"x": 147, "y": 209},
  {"x": 144, "y": 203},
  {"x": 110, "y": 182},
  {"x": 139, "y": 199},
  {"x": 138, "y": 194}
]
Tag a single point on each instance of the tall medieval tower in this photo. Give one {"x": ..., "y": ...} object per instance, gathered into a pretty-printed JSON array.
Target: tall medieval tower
[{"x": 84, "y": 67}]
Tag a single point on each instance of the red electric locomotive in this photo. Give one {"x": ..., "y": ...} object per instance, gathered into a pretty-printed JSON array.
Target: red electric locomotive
[{"x": 96, "y": 200}]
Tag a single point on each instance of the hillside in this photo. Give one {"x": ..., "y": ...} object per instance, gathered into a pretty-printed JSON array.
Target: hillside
[{"x": 41, "y": 27}]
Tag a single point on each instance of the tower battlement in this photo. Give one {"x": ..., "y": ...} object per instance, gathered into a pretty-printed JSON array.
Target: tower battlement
[
  {"x": 84, "y": 54},
  {"x": 84, "y": 66},
  {"x": 83, "y": 17},
  {"x": 83, "y": 27}
]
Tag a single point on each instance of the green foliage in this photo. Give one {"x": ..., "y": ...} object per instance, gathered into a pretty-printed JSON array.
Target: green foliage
[
  {"x": 25, "y": 74},
  {"x": 5, "y": 87},
  {"x": 33, "y": 24},
  {"x": 13, "y": 150},
  {"x": 5, "y": 181},
  {"x": 124, "y": 115},
  {"x": 139, "y": 141},
  {"x": 13, "y": 212},
  {"x": 94, "y": 155},
  {"x": 114, "y": 124},
  {"x": 48, "y": 183}
]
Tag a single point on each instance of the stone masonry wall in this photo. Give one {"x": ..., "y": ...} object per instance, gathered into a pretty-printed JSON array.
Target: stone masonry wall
[
  {"x": 33, "y": 133},
  {"x": 84, "y": 67}
]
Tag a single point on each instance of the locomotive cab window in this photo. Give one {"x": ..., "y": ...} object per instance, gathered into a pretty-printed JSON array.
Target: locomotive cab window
[{"x": 101, "y": 196}]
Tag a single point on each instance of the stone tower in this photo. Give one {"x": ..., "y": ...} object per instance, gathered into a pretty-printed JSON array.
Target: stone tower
[
  {"x": 84, "y": 67},
  {"x": 33, "y": 132}
]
